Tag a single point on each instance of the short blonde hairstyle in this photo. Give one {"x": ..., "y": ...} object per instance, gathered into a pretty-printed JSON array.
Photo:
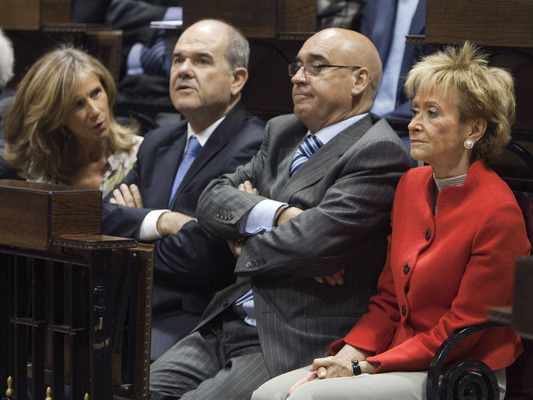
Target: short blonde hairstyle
[
  {"x": 37, "y": 142},
  {"x": 483, "y": 92}
]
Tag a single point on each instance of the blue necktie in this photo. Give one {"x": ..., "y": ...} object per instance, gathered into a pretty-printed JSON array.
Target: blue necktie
[
  {"x": 308, "y": 147},
  {"x": 192, "y": 149}
]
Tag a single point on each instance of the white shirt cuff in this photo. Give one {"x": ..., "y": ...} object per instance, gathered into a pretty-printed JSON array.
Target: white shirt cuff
[{"x": 148, "y": 229}]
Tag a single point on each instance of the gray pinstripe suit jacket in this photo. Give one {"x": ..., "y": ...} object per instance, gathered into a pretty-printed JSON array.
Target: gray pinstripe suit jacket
[{"x": 346, "y": 190}]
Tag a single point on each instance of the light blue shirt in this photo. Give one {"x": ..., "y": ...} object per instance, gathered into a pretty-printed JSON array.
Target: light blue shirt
[{"x": 385, "y": 101}]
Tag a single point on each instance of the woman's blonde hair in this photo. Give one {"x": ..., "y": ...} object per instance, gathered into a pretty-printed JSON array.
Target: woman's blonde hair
[
  {"x": 482, "y": 92},
  {"x": 37, "y": 141}
]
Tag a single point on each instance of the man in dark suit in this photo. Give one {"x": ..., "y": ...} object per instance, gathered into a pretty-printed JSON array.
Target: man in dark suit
[
  {"x": 209, "y": 70},
  {"x": 310, "y": 236},
  {"x": 146, "y": 52}
]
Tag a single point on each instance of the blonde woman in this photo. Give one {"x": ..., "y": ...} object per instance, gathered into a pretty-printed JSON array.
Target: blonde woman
[{"x": 61, "y": 128}]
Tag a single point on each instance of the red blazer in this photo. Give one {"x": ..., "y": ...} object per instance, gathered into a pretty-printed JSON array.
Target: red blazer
[{"x": 444, "y": 272}]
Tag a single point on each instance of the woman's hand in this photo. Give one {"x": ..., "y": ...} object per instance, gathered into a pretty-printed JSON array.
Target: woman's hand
[
  {"x": 337, "y": 366},
  {"x": 310, "y": 377},
  {"x": 331, "y": 367}
]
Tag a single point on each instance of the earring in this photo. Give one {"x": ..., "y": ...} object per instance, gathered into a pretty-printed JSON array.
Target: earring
[{"x": 469, "y": 143}]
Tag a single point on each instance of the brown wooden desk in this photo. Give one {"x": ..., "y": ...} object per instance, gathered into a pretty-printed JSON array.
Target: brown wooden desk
[{"x": 76, "y": 304}]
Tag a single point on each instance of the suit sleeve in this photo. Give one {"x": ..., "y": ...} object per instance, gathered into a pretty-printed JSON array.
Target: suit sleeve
[
  {"x": 191, "y": 246},
  {"x": 123, "y": 221},
  {"x": 334, "y": 234},
  {"x": 221, "y": 196}
]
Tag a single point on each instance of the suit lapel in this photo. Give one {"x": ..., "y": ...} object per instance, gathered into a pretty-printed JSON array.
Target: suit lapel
[
  {"x": 221, "y": 136},
  {"x": 324, "y": 159},
  {"x": 167, "y": 161},
  {"x": 281, "y": 157}
]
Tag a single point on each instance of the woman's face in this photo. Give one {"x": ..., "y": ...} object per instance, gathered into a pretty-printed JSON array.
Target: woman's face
[
  {"x": 88, "y": 118},
  {"x": 437, "y": 135}
]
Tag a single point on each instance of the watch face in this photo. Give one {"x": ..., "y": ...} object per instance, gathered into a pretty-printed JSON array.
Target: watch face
[{"x": 356, "y": 367}]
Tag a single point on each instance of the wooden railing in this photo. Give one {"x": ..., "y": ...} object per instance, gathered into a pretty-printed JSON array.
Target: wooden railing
[{"x": 76, "y": 305}]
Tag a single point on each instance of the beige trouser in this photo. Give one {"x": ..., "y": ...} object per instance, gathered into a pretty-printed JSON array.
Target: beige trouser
[{"x": 390, "y": 385}]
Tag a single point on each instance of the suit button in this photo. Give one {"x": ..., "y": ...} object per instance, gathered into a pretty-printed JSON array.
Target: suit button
[
  {"x": 406, "y": 268},
  {"x": 404, "y": 310},
  {"x": 428, "y": 234}
]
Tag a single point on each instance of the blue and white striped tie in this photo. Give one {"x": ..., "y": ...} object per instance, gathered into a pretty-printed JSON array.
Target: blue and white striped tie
[{"x": 308, "y": 147}]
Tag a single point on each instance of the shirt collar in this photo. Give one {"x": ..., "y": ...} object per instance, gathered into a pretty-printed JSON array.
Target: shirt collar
[
  {"x": 329, "y": 132},
  {"x": 203, "y": 136}
]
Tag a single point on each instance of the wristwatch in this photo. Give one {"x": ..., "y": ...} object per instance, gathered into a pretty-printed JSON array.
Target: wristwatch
[{"x": 356, "y": 367}]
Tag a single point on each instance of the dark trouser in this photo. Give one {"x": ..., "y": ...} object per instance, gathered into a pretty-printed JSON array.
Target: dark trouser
[{"x": 222, "y": 361}]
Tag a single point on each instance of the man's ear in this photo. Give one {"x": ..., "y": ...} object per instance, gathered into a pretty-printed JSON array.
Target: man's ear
[
  {"x": 239, "y": 78},
  {"x": 360, "y": 81}
]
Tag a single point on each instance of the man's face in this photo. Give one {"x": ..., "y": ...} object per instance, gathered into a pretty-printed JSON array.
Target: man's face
[
  {"x": 200, "y": 78},
  {"x": 326, "y": 98}
]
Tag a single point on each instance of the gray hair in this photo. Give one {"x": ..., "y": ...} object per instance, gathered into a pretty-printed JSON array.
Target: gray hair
[
  {"x": 7, "y": 59},
  {"x": 238, "y": 51}
]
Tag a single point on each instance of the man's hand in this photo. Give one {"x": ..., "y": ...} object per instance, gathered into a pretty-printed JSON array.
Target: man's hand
[
  {"x": 287, "y": 213},
  {"x": 235, "y": 246},
  {"x": 127, "y": 196},
  {"x": 336, "y": 279},
  {"x": 247, "y": 187},
  {"x": 170, "y": 223}
]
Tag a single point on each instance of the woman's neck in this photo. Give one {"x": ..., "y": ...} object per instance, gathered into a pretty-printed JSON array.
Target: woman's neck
[{"x": 93, "y": 151}]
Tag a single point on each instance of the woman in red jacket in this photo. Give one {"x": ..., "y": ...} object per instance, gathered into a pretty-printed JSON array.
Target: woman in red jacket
[{"x": 456, "y": 231}]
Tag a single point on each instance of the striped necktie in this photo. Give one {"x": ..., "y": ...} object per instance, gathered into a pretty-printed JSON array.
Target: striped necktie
[
  {"x": 154, "y": 59},
  {"x": 308, "y": 147}
]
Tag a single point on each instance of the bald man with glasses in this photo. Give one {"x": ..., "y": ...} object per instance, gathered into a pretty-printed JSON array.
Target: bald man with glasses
[{"x": 307, "y": 219}]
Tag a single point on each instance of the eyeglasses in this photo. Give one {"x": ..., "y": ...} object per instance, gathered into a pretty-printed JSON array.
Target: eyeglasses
[{"x": 314, "y": 68}]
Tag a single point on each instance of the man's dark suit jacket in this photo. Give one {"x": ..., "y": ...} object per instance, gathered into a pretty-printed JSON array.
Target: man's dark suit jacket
[
  {"x": 189, "y": 267},
  {"x": 378, "y": 25},
  {"x": 346, "y": 190},
  {"x": 133, "y": 17}
]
